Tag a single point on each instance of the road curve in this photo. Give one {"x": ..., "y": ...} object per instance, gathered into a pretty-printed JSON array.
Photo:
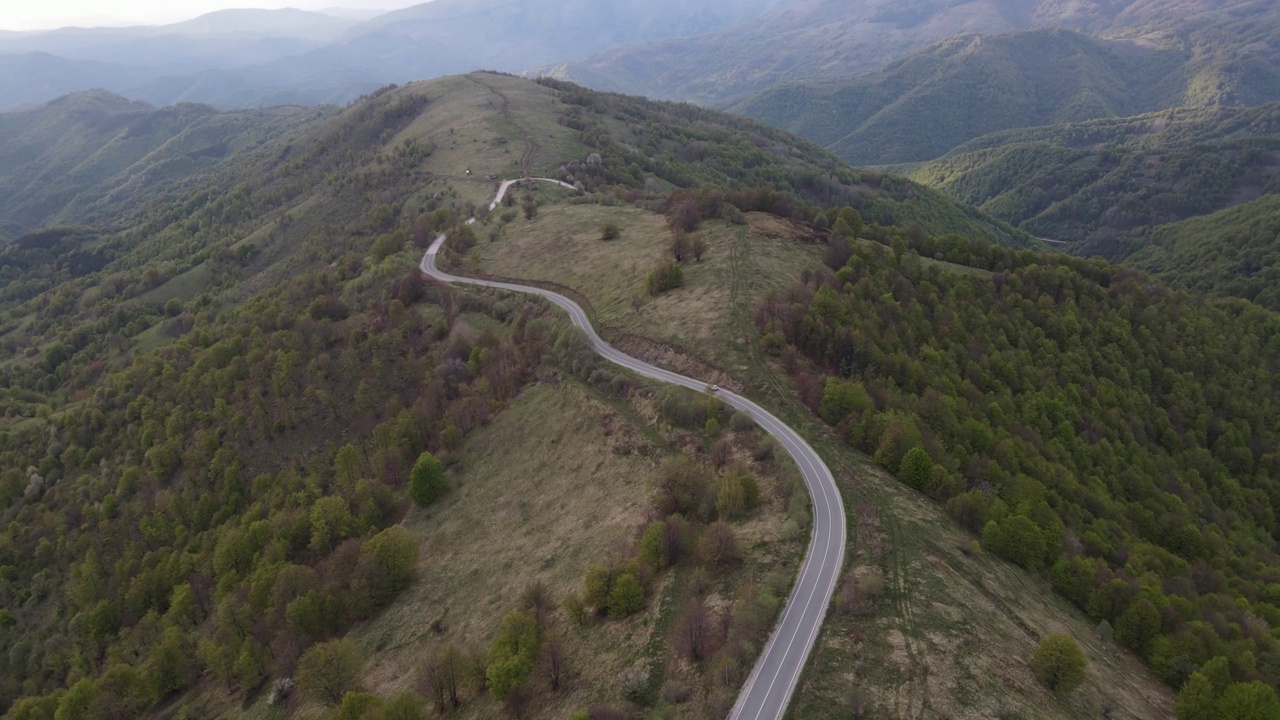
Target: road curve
[{"x": 768, "y": 690}]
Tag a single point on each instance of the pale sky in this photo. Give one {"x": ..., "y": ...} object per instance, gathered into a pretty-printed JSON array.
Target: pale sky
[{"x": 47, "y": 14}]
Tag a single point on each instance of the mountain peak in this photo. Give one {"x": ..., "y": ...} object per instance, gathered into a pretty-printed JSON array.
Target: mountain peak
[{"x": 97, "y": 100}]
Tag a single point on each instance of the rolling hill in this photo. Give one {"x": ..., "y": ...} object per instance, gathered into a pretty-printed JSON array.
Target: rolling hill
[
  {"x": 1231, "y": 252},
  {"x": 214, "y": 399},
  {"x": 1103, "y": 185},
  {"x": 89, "y": 157},
  {"x": 810, "y": 40},
  {"x": 921, "y": 107}
]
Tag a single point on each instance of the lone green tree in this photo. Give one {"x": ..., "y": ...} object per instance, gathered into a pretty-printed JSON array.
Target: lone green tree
[
  {"x": 427, "y": 481},
  {"x": 1058, "y": 663},
  {"x": 916, "y": 467},
  {"x": 626, "y": 598},
  {"x": 329, "y": 670}
]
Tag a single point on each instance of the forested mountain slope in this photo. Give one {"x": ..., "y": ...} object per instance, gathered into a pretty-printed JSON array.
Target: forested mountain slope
[
  {"x": 822, "y": 39},
  {"x": 1083, "y": 421},
  {"x": 1105, "y": 184},
  {"x": 1231, "y": 252},
  {"x": 211, "y": 399},
  {"x": 925, "y": 105},
  {"x": 91, "y": 156}
]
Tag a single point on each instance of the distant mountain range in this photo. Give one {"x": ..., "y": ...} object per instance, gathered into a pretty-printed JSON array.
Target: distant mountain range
[
  {"x": 920, "y": 107},
  {"x": 246, "y": 58},
  {"x": 63, "y": 162},
  {"x": 715, "y": 52},
  {"x": 1106, "y": 183},
  {"x": 823, "y": 39},
  {"x": 923, "y": 105}
]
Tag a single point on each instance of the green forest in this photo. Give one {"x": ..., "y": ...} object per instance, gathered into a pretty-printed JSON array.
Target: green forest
[
  {"x": 968, "y": 86},
  {"x": 1232, "y": 252},
  {"x": 195, "y": 506},
  {"x": 1103, "y": 185},
  {"x": 1114, "y": 435}
]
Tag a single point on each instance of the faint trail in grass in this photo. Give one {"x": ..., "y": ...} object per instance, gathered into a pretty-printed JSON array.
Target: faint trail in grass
[
  {"x": 744, "y": 319},
  {"x": 531, "y": 147}
]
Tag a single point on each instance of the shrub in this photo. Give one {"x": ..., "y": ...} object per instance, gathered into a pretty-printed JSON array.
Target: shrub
[
  {"x": 626, "y": 598},
  {"x": 666, "y": 276},
  {"x": 330, "y": 670},
  {"x": 427, "y": 481},
  {"x": 1058, "y": 663}
]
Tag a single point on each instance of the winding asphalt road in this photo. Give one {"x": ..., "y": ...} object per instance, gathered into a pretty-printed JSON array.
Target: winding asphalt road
[{"x": 768, "y": 690}]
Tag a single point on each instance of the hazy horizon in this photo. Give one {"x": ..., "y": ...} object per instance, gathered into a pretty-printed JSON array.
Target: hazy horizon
[{"x": 54, "y": 14}]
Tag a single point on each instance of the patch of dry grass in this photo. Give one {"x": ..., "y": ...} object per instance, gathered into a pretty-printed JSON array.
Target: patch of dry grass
[
  {"x": 465, "y": 121},
  {"x": 953, "y": 630},
  {"x": 709, "y": 316},
  {"x": 539, "y": 494},
  {"x": 542, "y": 493}
]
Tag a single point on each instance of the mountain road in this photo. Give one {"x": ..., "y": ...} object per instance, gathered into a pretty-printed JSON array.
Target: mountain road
[{"x": 768, "y": 690}]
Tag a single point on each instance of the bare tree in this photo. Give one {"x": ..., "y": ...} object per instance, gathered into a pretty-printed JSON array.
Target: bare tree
[
  {"x": 431, "y": 683},
  {"x": 553, "y": 662},
  {"x": 698, "y": 246},
  {"x": 693, "y": 631},
  {"x": 440, "y": 678},
  {"x": 861, "y": 589},
  {"x": 719, "y": 547},
  {"x": 518, "y": 700},
  {"x": 538, "y": 601},
  {"x": 675, "y": 539},
  {"x": 859, "y": 704}
]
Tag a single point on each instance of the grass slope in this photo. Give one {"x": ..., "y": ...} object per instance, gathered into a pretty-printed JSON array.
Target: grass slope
[
  {"x": 563, "y": 245},
  {"x": 540, "y": 494}
]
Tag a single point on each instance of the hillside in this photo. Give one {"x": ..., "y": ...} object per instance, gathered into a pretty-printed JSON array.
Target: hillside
[
  {"x": 213, "y": 398},
  {"x": 1230, "y": 252},
  {"x": 1103, "y": 185},
  {"x": 90, "y": 156},
  {"x": 1113, "y": 436},
  {"x": 943, "y": 612},
  {"x": 923, "y": 106}
]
